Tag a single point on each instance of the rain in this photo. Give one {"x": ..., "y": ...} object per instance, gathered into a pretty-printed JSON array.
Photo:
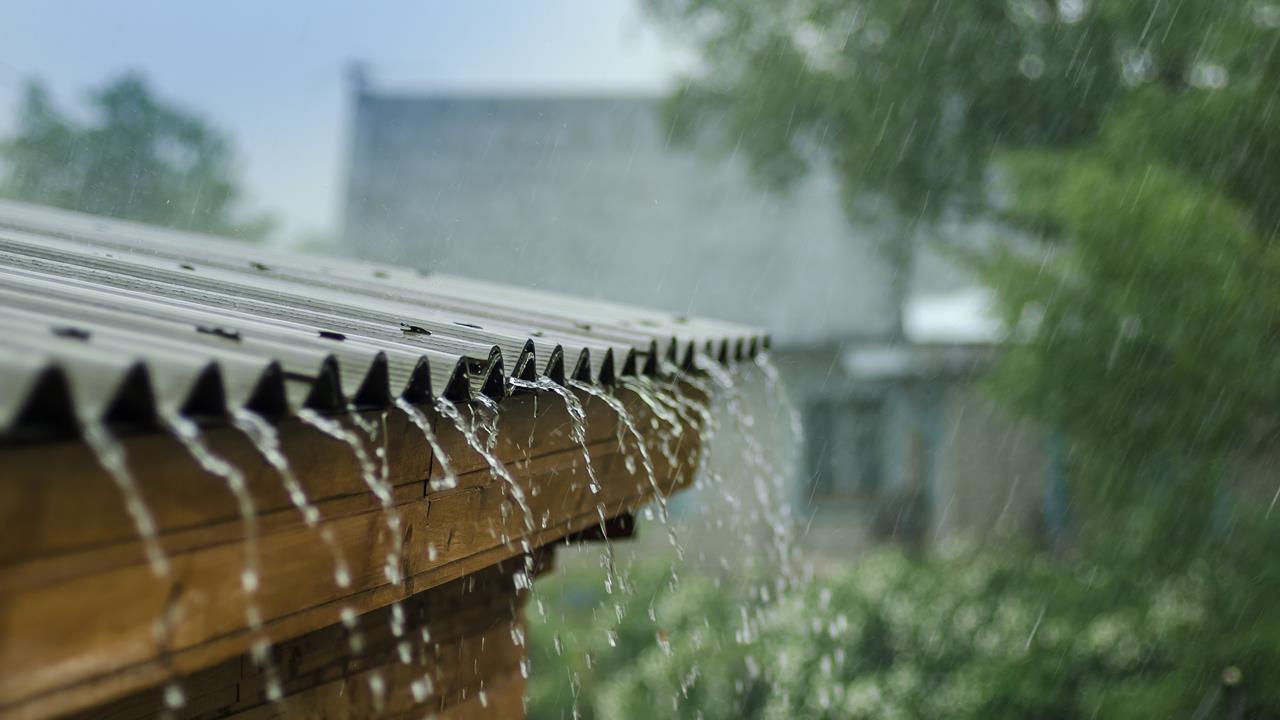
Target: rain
[{"x": 705, "y": 359}]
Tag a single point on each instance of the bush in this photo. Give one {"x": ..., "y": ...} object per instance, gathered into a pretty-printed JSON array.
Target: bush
[{"x": 975, "y": 634}]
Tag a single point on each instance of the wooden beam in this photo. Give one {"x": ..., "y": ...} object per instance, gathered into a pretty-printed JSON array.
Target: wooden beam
[
  {"x": 468, "y": 667},
  {"x": 79, "y": 606}
]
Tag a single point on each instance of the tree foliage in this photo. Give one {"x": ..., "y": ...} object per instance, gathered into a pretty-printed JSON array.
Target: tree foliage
[
  {"x": 965, "y": 634},
  {"x": 1130, "y": 151},
  {"x": 135, "y": 157}
]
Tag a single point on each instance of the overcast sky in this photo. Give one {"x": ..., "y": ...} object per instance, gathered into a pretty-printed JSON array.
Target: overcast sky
[{"x": 272, "y": 74}]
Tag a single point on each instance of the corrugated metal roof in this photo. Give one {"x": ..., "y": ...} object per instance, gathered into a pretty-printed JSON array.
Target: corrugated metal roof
[{"x": 105, "y": 320}]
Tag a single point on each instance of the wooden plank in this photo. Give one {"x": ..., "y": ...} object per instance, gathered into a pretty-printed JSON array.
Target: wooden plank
[
  {"x": 65, "y": 656},
  {"x": 471, "y": 649},
  {"x": 48, "y": 487},
  {"x": 503, "y": 699}
]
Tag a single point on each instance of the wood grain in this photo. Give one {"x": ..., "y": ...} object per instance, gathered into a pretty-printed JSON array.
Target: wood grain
[{"x": 79, "y": 607}]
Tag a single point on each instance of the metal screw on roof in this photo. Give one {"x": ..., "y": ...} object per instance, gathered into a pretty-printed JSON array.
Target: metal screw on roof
[
  {"x": 72, "y": 333},
  {"x": 187, "y": 266},
  {"x": 220, "y": 332}
]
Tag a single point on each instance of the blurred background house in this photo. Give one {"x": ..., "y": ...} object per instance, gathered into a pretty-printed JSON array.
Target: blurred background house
[{"x": 587, "y": 194}]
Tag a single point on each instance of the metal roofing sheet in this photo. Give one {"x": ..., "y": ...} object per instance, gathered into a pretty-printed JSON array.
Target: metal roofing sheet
[{"x": 105, "y": 320}]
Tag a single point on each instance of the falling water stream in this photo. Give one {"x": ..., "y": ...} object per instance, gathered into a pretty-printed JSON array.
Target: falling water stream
[
  {"x": 626, "y": 421},
  {"x": 266, "y": 439},
  {"x": 111, "y": 455},
  {"x": 449, "y": 479},
  {"x": 469, "y": 431},
  {"x": 768, "y": 481},
  {"x": 672, "y": 411},
  {"x": 577, "y": 427},
  {"x": 578, "y": 432},
  {"x": 188, "y": 434},
  {"x": 374, "y": 476},
  {"x": 472, "y": 438}
]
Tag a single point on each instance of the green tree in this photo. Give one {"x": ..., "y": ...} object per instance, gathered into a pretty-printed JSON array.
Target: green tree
[
  {"x": 1130, "y": 149},
  {"x": 135, "y": 157}
]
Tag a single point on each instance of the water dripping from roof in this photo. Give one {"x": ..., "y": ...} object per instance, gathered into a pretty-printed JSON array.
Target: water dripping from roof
[
  {"x": 768, "y": 482},
  {"x": 266, "y": 440},
  {"x": 488, "y": 420},
  {"x": 644, "y": 389},
  {"x": 111, "y": 456},
  {"x": 626, "y": 421},
  {"x": 188, "y": 434},
  {"x": 420, "y": 420},
  {"x": 496, "y": 466},
  {"x": 577, "y": 417},
  {"x": 523, "y": 578},
  {"x": 374, "y": 477},
  {"x": 578, "y": 432}
]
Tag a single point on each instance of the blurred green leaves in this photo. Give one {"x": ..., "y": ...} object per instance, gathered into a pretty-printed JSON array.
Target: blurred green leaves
[
  {"x": 134, "y": 156},
  {"x": 968, "y": 633},
  {"x": 1128, "y": 156},
  {"x": 1128, "y": 153}
]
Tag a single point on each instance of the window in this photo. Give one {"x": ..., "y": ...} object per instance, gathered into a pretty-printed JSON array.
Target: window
[{"x": 844, "y": 450}]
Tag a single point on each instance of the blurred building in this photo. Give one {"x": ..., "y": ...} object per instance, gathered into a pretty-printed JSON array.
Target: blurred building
[{"x": 586, "y": 195}]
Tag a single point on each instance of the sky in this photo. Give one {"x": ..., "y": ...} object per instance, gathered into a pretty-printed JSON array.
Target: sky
[{"x": 273, "y": 74}]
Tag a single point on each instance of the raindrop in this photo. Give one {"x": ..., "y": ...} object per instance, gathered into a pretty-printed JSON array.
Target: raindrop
[
  {"x": 174, "y": 697},
  {"x": 1208, "y": 76},
  {"x": 266, "y": 440},
  {"x": 420, "y": 420},
  {"x": 1265, "y": 14},
  {"x": 1072, "y": 11},
  {"x": 1031, "y": 65},
  {"x": 111, "y": 456}
]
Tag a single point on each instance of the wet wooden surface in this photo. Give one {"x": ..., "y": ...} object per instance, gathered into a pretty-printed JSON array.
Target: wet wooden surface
[
  {"x": 470, "y": 666},
  {"x": 79, "y": 606}
]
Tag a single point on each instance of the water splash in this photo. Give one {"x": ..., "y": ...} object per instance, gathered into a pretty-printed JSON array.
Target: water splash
[
  {"x": 489, "y": 423},
  {"x": 420, "y": 420},
  {"x": 111, "y": 456},
  {"x": 266, "y": 440}
]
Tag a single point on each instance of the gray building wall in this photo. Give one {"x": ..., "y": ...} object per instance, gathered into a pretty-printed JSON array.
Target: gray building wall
[{"x": 585, "y": 195}]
